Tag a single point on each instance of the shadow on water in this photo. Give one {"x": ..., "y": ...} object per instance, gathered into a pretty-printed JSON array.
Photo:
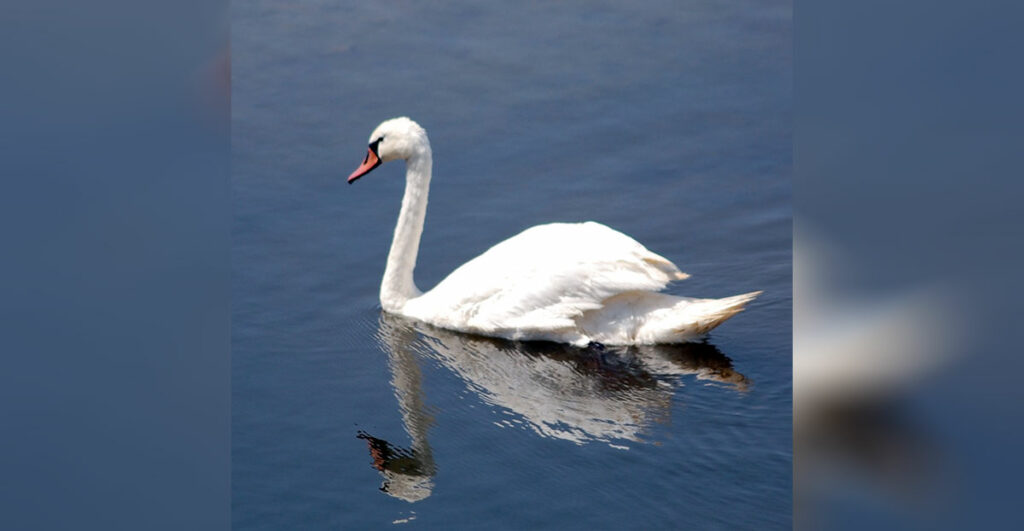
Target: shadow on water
[{"x": 592, "y": 394}]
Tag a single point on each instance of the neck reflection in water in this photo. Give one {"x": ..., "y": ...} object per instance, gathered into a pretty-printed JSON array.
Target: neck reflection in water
[{"x": 593, "y": 394}]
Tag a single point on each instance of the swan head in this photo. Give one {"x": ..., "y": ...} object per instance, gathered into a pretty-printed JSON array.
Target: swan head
[{"x": 397, "y": 138}]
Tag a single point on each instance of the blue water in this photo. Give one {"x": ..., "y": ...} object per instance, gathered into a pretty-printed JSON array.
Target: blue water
[{"x": 667, "y": 121}]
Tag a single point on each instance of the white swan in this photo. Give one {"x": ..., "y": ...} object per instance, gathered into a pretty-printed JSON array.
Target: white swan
[{"x": 565, "y": 282}]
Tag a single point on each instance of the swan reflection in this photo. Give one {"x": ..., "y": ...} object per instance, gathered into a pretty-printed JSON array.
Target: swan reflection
[{"x": 594, "y": 394}]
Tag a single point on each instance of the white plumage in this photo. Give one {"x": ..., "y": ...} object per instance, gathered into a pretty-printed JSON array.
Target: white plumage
[{"x": 566, "y": 282}]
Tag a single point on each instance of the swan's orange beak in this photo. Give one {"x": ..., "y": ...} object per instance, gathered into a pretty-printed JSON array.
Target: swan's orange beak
[{"x": 369, "y": 163}]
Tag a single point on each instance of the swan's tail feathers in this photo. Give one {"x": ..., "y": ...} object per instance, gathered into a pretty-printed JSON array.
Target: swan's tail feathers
[
  {"x": 648, "y": 318},
  {"x": 712, "y": 312}
]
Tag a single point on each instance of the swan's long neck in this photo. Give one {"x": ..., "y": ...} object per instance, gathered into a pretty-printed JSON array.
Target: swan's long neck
[{"x": 398, "y": 286}]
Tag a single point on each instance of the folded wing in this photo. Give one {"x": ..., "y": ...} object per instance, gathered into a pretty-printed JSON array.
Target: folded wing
[{"x": 543, "y": 279}]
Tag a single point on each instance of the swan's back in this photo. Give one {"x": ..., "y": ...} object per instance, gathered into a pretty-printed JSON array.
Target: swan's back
[{"x": 536, "y": 284}]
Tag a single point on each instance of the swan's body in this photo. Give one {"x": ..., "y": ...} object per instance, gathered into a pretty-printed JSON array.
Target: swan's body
[{"x": 566, "y": 282}]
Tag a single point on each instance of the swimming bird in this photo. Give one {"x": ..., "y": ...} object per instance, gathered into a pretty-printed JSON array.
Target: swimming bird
[{"x": 576, "y": 283}]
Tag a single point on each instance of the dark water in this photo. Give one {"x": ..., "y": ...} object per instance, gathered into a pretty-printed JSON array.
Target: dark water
[{"x": 668, "y": 121}]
